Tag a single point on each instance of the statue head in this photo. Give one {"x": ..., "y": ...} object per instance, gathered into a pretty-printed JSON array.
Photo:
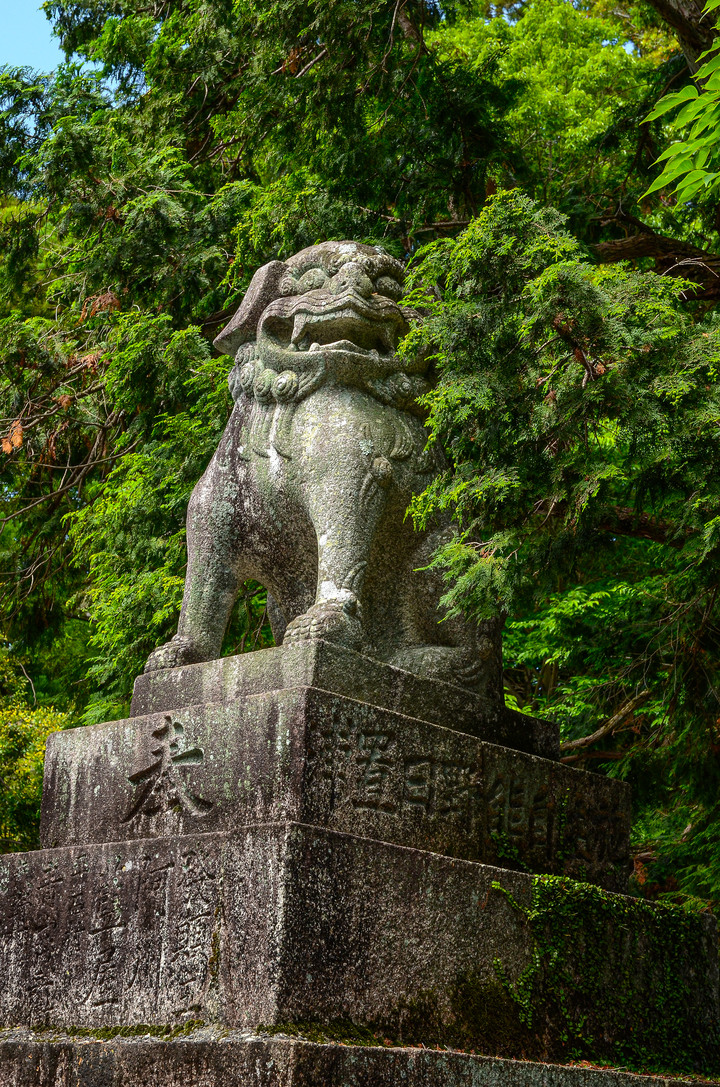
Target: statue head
[{"x": 339, "y": 300}]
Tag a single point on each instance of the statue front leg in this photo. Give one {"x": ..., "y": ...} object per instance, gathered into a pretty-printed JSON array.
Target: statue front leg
[
  {"x": 345, "y": 500},
  {"x": 343, "y": 549},
  {"x": 214, "y": 572}
]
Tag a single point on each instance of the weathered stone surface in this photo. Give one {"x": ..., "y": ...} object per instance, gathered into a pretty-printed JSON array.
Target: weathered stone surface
[
  {"x": 292, "y": 924},
  {"x": 207, "y": 876},
  {"x": 312, "y": 757},
  {"x": 308, "y": 490},
  {"x": 333, "y": 668},
  {"x": 232, "y": 1059},
  {"x": 277, "y": 923}
]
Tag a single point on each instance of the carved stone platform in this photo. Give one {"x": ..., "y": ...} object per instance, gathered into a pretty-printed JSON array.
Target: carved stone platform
[
  {"x": 292, "y": 924},
  {"x": 318, "y": 758},
  {"x": 331, "y": 668},
  {"x": 209, "y": 1058},
  {"x": 267, "y": 845}
]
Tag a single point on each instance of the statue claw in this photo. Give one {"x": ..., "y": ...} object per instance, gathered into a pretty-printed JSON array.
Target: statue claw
[{"x": 337, "y": 621}]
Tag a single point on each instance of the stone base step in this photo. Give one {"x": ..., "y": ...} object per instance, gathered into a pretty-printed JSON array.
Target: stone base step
[
  {"x": 290, "y": 924},
  {"x": 340, "y": 671},
  {"x": 208, "y": 1058}
]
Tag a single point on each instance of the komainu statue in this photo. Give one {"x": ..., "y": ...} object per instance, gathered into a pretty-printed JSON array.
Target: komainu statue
[{"x": 308, "y": 490}]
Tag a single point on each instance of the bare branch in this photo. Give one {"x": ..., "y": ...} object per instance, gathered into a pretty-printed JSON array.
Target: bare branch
[
  {"x": 672, "y": 257},
  {"x": 608, "y": 727},
  {"x": 311, "y": 64},
  {"x": 624, "y": 521}
]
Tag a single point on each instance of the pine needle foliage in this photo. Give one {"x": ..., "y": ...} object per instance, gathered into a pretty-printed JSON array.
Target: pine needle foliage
[{"x": 581, "y": 409}]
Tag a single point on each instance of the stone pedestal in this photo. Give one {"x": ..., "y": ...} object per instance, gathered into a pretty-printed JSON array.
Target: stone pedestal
[
  {"x": 306, "y": 755},
  {"x": 328, "y": 667},
  {"x": 207, "y": 1058},
  {"x": 268, "y": 847}
]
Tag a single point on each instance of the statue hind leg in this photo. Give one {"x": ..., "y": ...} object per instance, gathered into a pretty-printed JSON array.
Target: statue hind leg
[{"x": 454, "y": 648}]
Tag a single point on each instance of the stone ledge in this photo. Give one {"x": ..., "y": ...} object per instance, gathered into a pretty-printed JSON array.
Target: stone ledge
[
  {"x": 340, "y": 671},
  {"x": 273, "y": 924},
  {"x": 210, "y": 1058},
  {"x": 291, "y": 924},
  {"x": 318, "y": 758}
]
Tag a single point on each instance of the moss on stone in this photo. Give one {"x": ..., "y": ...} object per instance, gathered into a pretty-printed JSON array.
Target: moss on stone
[
  {"x": 486, "y": 1017},
  {"x": 611, "y": 979},
  {"x": 214, "y": 957},
  {"x": 139, "y": 1030},
  {"x": 610, "y": 982}
]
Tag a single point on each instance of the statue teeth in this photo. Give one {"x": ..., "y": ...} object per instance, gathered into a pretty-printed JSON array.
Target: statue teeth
[
  {"x": 314, "y": 346},
  {"x": 298, "y": 327},
  {"x": 386, "y": 338}
]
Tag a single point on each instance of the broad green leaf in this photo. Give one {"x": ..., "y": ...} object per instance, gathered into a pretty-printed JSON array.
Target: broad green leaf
[
  {"x": 670, "y": 101},
  {"x": 689, "y": 112}
]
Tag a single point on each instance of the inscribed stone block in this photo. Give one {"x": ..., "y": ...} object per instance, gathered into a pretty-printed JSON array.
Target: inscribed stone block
[
  {"x": 291, "y": 924},
  {"x": 318, "y": 758}
]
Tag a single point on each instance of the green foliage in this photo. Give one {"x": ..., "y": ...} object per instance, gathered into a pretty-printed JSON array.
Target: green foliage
[
  {"x": 564, "y": 390},
  {"x": 580, "y": 408},
  {"x": 131, "y": 536},
  {"x": 24, "y": 730},
  {"x": 611, "y": 979},
  {"x": 577, "y": 81},
  {"x": 583, "y": 652},
  {"x": 691, "y": 164}
]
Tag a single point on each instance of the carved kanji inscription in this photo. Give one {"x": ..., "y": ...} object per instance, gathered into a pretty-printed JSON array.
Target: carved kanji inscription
[{"x": 157, "y": 775}]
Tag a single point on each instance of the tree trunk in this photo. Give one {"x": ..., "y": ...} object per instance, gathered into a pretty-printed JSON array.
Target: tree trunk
[{"x": 695, "y": 31}]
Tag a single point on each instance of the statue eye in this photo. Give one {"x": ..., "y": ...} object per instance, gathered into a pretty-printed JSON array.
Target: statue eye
[
  {"x": 312, "y": 280},
  {"x": 389, "y": 287}
]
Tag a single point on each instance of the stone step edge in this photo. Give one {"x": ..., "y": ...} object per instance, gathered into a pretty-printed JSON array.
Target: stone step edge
[
  {"x": 300, "y": 687},
  {"x": 288, "y": 825},
  {"x": 316, "y": 647},
  {"x": 545, "y": 735},
  {"x": 512, "y": 715},
  {"x": 418, "y": 1065}
]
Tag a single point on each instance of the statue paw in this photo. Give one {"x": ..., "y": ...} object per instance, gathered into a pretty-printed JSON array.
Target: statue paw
[
  {"x": 460, "y": 667},
  {"x": 335, "y": 621},
  {"x": 173, "y": 654}
]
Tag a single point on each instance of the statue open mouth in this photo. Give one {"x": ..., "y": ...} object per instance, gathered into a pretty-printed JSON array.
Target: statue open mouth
[
  {"x": 323, "y": 322},
  {"x": 344, "y": 330}
]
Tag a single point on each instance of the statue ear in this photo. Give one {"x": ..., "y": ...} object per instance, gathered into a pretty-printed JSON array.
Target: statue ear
[{"x": 263, "y": 289}]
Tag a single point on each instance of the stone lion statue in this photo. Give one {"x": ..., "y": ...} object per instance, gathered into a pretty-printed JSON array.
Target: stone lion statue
[{"x": 308, "y": 490}]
